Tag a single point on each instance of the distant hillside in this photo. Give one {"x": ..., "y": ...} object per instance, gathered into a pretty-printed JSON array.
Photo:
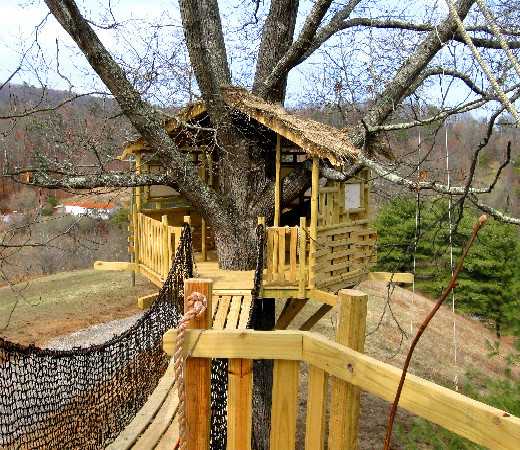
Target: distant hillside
[{"x": 23, "y": 94}]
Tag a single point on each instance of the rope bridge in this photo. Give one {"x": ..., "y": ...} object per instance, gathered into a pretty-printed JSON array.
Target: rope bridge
[{"x": 84, "y": 397}]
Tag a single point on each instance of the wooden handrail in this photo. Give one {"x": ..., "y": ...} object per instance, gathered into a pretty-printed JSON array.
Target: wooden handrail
[{"x": 476, "y": 421}]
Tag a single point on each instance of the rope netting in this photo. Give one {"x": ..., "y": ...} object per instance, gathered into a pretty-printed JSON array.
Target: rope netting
[{"x": 84, "y": 397}]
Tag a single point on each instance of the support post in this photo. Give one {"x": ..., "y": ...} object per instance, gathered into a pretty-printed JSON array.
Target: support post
[
  {"x": 240, "y": 403},
  {"x": 345, "y": 397},
  {"x": 277, "y": 186},
  {"x": 302, "y": 277},
  {"x": 138, "y": 189},
  {"x": 197, "y": 374},
  {"x": 315, "y": 191},
  {"x": 203, "y": 222}
]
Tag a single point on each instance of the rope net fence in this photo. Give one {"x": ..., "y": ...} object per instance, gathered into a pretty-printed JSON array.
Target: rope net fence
[{"x": 84, "y": 397}]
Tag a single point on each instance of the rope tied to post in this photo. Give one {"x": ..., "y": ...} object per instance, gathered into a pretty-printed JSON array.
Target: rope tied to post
[{"x": 197, "y": 305}]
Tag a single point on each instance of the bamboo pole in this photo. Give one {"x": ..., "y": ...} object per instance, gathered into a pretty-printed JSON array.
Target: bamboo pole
[
  {"x": 345, "y": 397},
  {"x": 315, "y": 191},
  {"x": 277, "y": 186},
  {"x": 198, "y": 374}
]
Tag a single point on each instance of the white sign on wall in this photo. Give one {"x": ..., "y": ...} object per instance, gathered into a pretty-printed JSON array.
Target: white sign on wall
[{"x": 352, "y": 195}]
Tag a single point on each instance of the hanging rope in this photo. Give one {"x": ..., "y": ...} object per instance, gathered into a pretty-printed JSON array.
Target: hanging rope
[
  {"x": 450, "y": 204},
  {"x": 197, "y": 305}
]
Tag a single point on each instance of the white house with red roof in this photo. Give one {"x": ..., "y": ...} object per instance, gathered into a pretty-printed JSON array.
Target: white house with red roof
[{"x": 91, "y": 209}]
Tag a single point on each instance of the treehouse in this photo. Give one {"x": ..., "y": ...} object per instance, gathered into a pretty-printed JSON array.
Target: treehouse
[{"x": 315, "y": 245}]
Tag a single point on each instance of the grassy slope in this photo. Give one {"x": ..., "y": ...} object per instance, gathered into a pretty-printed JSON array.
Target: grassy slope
[{"x": 51, "y": 306}]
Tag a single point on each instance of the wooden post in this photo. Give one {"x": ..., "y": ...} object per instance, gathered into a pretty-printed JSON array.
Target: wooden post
[
  {"x": 315, "y": 191},
  {"x": 138, "y": 189},
  {"x": 135, "y": 220},
  {"x": 165, "y": 250},
  {"x": 203, "y": 222},
  {"x": 240, "y": 403},
  {"x": 277, "y": 190},
  {"x": 197, "y": 374},
  {"x": 345, "y": 397},
  {"x": 284, "y": 409},
  {"x": 302, "y": 281}
]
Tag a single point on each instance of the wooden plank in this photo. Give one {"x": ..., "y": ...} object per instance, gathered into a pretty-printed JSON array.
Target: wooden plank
[
  {"x": 293, "y": 307},
  {"x": 240, "y": 403},
  {"x": 171, "y": 436},
  {"x": 114, "y": 265},
  {"x": 281, "y": 254},
  {"x": 347, "y": 276},
  {"x": 387, "y": 277},
  {"x": 165, "y": 263},
  {"x": 316, "y": 409},
  {"x": 234, "y": 312},
  {"x": 269, "y": 256},
  {"x": 284, "y": 408},
  {"x": 222, "y": 311},
  {"x": 146, "y": 301},
  {"x": 197, "y": 372},
  {"x": 345, "y": 397},
  {"x": 346, "y": 227},
  {"x": 244, "y": 312},
  {"x": 246, "y": 344},
  {"x": 160, "y": 423},
  {"x": 478, "y": 422},
  {"x": 129, "y": 435},
  {"x": 292, "y": 254},
  {"x": 313, "y": 320}
]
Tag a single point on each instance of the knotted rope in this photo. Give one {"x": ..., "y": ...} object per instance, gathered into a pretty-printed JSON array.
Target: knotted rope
[{"x": 197, "y": 304}]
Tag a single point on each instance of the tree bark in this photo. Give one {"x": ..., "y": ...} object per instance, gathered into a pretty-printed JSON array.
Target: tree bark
[{"x": 277, "y": 37}]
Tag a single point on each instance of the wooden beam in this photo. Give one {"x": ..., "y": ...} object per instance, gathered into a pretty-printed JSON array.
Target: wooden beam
[
  {"x": 476, "y": 421},
  {"x": 114, "y": 265},
  {"x": 284, "y": 409},
  {"x": 313, "y": 320},
  {"x": 389, "y": 277},
  {"x": 240, "y": 404},
  {"x": 146, "y": 301},
  {"x": 246, "y": 344},
  {"x": 346, "y": 397},
  {"x": 315, "y": 189},
  {"x": 291, "y": 309},
  {"x": 197, "y": 373}
]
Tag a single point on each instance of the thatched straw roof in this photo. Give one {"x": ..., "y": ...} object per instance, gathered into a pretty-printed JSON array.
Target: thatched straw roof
[{"x": 313, "y": 137}]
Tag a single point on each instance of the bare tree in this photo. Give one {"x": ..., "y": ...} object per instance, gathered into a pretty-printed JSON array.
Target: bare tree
[{"x": 366, "y": 53}]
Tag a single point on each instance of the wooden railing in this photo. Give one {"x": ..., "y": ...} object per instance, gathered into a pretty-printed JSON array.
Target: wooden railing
[
  {"x": 341, "y": 254},
  {"x": 155, "y": 245},
  {"x": 286, "y": 255},
  {"x": 476, "y": 421}
]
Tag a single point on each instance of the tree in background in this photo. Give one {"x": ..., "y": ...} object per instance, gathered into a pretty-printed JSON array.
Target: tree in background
[{"x": 488, "y": 282}]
